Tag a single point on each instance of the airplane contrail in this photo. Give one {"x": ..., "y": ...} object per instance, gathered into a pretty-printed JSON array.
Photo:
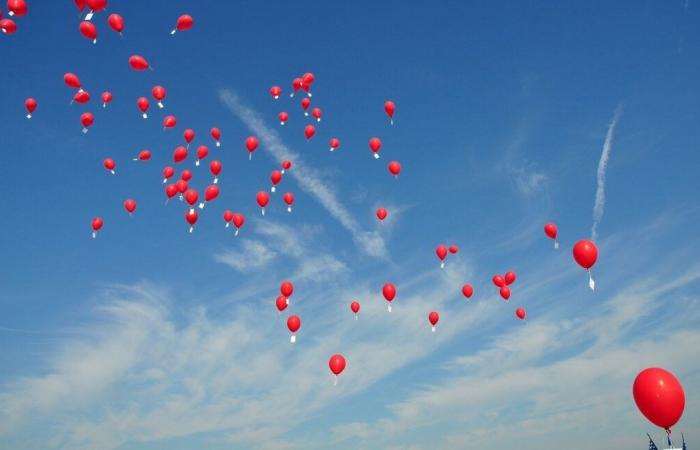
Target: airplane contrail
[{"x": 599, "y": 205}]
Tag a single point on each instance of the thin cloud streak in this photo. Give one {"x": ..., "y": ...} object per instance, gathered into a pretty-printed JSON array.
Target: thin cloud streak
[
  {"x": 599, "y": 206},
  {"x": 307, "y": 177}
]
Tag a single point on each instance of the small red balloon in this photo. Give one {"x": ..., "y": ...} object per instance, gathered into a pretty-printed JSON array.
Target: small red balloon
[
  {"x": 433, "y": 318},
  {"x": 287, "y": 288},
  {"x": 144, "y": 155},
  {"x": 293, "y": 323},
  {"x": 181, "y": 186},
  {"x": 334, "y": 143},
  {"x": 441, "y": 252},
  {"x": 97, "y": 224},
  {"x": 216, "y": 135},
  {"x": 8, "y": 26},
  {"x": 228, "y": 216},
  {"x": 215, "y": 167},
  {"x": 143, "y": 104},
  {"x": 283, "y": 117},
  {"x": 138, "y": 62},
  {"x": 116, "y": 22},
  {"x": 202, "y": 152},
  {"x": 211, "y": 192},
  {"x": 509, "y": 278},
  {"x": 86, "y": 119},
  {"x": 382, "y": 213},
  {"x": 394, "y": 168},
  {"x": 188, "y": 134},
  {"x": 251, "y": 143},
  {"x": 498, "y": 281},
  {"x": 309, "y": 131},
  {"x": 316, "y": 114},
  {"x": 106, "y": 98},
  {"x": 355, "y": 307},
  {"x": 167, "y": 173},
  {"x": 191, "y": 197},
  {"x": 520, "y": 313},
  {"x": 375, "y": 144},
  {"x": 71, "y": 80},
  {"x": 81, "y": 97},
  {"x": 170, "y": 190},
  {"x": 191, "y": 217},
  {"x": 281, "y": 302},
  {"x": 467, "y": 290},
  {"x": 130, "y": 205},
  {"x": 109, "y": 164},
  {"x": 89, "y": 31},
  {"x": 263, "y": 199},
  {"x": 389, "y": 108},
  {"x": 186, "y": 175},
  {"x": 389, "y": 291},
  {"x": 30, "y": 104},
  {"x": 505, "y": 292},
  {"x": 286, "y": 165},
  {"x": 17, "y": 7},
  {"x": 336, "y": 364},
  {"x": 288, "y": 198},
  {"x": 275, "y": 92},
  {"x": 180, "y": 154},
  {"x": 184, "y": 22},
  {"x": 169, "y": 121},
  {"x": 238, "y": 221}
]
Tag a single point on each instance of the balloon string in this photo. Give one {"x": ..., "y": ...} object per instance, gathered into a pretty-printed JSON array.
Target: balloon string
[
  {"x": 191, "y": 228},
  {"x": 250, "y": 156},
  {"x": 289, "y": 209},
  {"x": 442, "y": 265},
  {"x": 355, "y": 316},
  {"x": 376, "y": 156},
  {"x": 433, "y": 329},
  {"x": 591, "y": 282},
  {"x": 272, "y": 189},
  {"x": 227, "y": 224},
  {"x": 335, "y": 380},
  {"x": 94, "y": 234},
  {"x": 556, "y": 244},
  {"x": 263, "y": 211},
  {"x": 218, "y": 144},
  {"x": 216, "y": 180},
  {"x": 236, "y": 233}
]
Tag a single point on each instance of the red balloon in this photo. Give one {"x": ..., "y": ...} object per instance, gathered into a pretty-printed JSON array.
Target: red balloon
[
  {"x": 281, "y": 302},
  {"x": 144, "y": 155},
  {"x": 394, "y": 168},
  {"x": 297, "y": 83},
  {"x": 8, "y": 26},
  {"x": 287, "y": 288},
  {"x": 184, "y": 22},
  {"x": 238, "y": 221},
  {"x": 80, "y": 4},
  {"x": 89, "y": 30},
  {"x": 130, "y": 205},
  {"x": 288, "y": 198},
  {"x": 180, "y": 154},
  {"x": 381, "y": 213},
  {"x": 17, "y": 7},
  {"x": 467, "y": 290},
  {"x": 97, "y": 224},
  {"x": 158, "y": 93},
  {"x": 305, "y": 103},
  {"x": 389, "y": 108},
  {"x": 375, "y": 144},
  {"x": 71, "y": 80},
  {"x": 186, "y": 175},
  {"x": 334, "y": 143},
  {"x": 453, "y": 249},
  {"x": 316, "y": 113},
  {"x": 275, "y": 92},
  {"x": 191, "y": 217},
  {"x": 169, "y": 121},
  {"x": 106, "y": 98},
  {"x": 170, "y": 190},
  {"x": 96, "y": 5},
  {"x": 251, "y": 143},
  {"x": 520, "y": 313},
  {"x": 275, "y": 178},
  {"x": 433, "y": 318},
  {"x": 308, "y": 78},
  {"x": 505, "y": 292},
  {"x": 283, "y": 117},
  {"x": 510, "y": 278},
  {"x": 551, "y": 230},
  {"x": 216, "y": 135},
  {"x": 138, "y": 62},
  {"x": 211, "y": 192},
  {"x": 109, "y": 164},
  {"x": 336, "y": 364},
  {"x": 86, "y": 119},
  {"x": 355, "y": 307},
  {"x": 189, "y": 135},
  {"x": 181, "y": 186},
  {"x": 389, "y": 291},
  {"x": 585, "y": 253},
  {"x": 262, "y": 198},
  {"x": 659, "y": 396},
  {"x": 31, "y": 105},
  {"x": 293, "y": 323},
  {"x": 143, "y": 104},
  {"x": 191, "y": 196},
  {"x": 286, "y": 165},
  {"x": 309, "y": 131},
  {"x": 116, "y": 22},
  {"x": 202, "y": 152},
  {"x": 441, "y": 252},
  {"x": 81, "y": 97},
  {"x": 215, "y": 167},
  {"x": 498, "y": 281},
  {"x": 167, "y": 173},
  {"x": 228, "y": 216}
]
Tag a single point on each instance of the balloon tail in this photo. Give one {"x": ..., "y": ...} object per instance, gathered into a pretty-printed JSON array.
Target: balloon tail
[
  {"x": 227, "y": 224},
  {"x": 272, "y": 189},
  {"x": 165, "y": 180},
  {"x": 236, "y": 233},
  {"x": 29, "y": 116},
  {"x": 392, "y": 121},
  {"x": 282, "y": 171},
  {"x": 89, "y": 15},
  {"x": 160, "y": 104},
  {"x": 197, "y": 163},
  {"x": 318, "y": 119},
  {"x": 376, "y": 156},
  {"x": 331, "y": 148},
  {"x": 216, "y": 180},
  {"x": 556, "y": 244},
  {"x": 145, "y": 116},
  {"x": 201, "y": 205},
  {"x": 94, "y": 41},
  {"x": 191, "y": 210},
  {"x": 174, "y": 31},
  {"x": 191, "y": 229},
  {"x": 286, "y": 299},
  {"x": 355, "y": 316},
  {"x": 293, "y": 339},
  {"x": 104, "y": 105},
  {"x": 276, "y": 97},
  {"x": 94, "y": 234},
  {"x": 263, "y": 211},
  {"x": 281, "y": 123},
  {"x": 442, "y": 265},
  {"x": 309, "y": 94},
  {"x": 433, "y": 329},
  {"x": 113, "y": 172},
  {"x": 335, "y": 380},
  {"x": 218, "y": 144},
  {"x": 305, "y": 113},
  {"x": 289, "y": 209},
  {"x": 591, "y": 282},
  {"x": 388, "y": 307},
  {"x": 11, "y": 13},
  {"x": 85, "y": 130}
]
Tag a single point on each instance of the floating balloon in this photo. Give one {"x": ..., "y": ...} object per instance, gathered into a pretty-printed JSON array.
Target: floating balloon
[
  {"x": 305, "y": 103},
  {"x": 182, "y": 187},
  {"x": 288, "y": 198},
  {"x": 144, "y": 155},
  {"x": 551, "y": 230},
  {"x": 381, "y": 213},
  {"x": 505, "y": 292},
  {"x": 375, "y": 144},
  {"x": 251, "y": 143},
  {"x": 394, "y": 168},
  {"x": 309, "y": 131},
  {"x": 275, "y": 92},
  {"x": 467, "y": 290},
  {"x": 283, "y": 117},
  {"x": 498, "y": 281},
  {"x": 31, "y": 105},
  {"x": 659, "y": 396},
  {"x": 167, "y": 173},
  {"x": 216, "y": 134},
  {"x": 228, "y": 217},
  {"x": 158, "y": 93},
  {"x": 210, "y": 194},
  {"x": 509, "y": 278},
  {"x": 275, "y": 178},
  {"x": 106, "y": 98},
  {"x": 16, "y": 8},
  {"x": 191, "y": 217},
  {"x": 238, "y": 221},
  {"x": 441, "y": 252},
  {"x": 281, "y": 303},
  {"x": 202, "y": 152},
  {"x": 116, "y": 22},
  {"x": 71, "y": 80},
  {"x": 109, "y": 164},
  {"x": 170, "y": 192},
  {"x": 389, "y": 108},
  {"x": 169, "y": 122},
  {"x": 130, "y": 205},
  {"x": 8, "y": 26},
  {"x": 308, "y": 78},
  {"x": 191, "y": 197},
  {"x": 520, "y": 313},
  {"x": 287, "y": 288},
  {"x": 89, "y": 31},
  {"x": 286, "y": 165},
  {"x": 143, "y": 104},
  {"x": 355, "y": 308},
  {"x": 215, "y": 169},
  {"x": 293, "y": 323},
  {"x": 86, "y": 119},
  {"x": 389, "y": 292},
  {"x": 586, "y": 254},
  {"x": 453, "y": 249},
  {"x": 138, "y": 62},
  {"x": 184, "y": 22},
  {"x": 316, "y": 114},
  {"x": 297, "y": 84},
  {"x": 80, "y": 4},
  {"x": 188, "y": 134},
  {"x": 180, "y": 154},
  {"x": 334, "y": 143},
  {"x": 186, "y": 175},
  {"x": 97, "y": 224},
  {"x": 337, "y": 365},
  {"x": 262, "y": 198},
  {"x": 95, "y": 6},
  {"x": 81, "y": 97},
  {"x": 433, "y": 318}
]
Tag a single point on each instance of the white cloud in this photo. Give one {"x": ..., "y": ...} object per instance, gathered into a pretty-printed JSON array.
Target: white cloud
[
  {"x": 599, "y": 205},
  {"x": 308, "y": 178},
  {"x": 253, "y": 255}
]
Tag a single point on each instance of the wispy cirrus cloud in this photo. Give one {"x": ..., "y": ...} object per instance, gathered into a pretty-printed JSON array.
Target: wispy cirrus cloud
[
  {"x": 309, "y": 179},
  {"x": 599, "y": 205}
]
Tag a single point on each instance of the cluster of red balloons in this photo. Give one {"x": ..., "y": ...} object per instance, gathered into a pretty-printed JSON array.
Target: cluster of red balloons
[
  {"x": 15, "y": 8},
  {"x": 442, "y": 250}
]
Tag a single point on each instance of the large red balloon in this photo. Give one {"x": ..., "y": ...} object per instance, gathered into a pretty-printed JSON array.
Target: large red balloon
[
  {"x": 180, "y": 154},
  {"x": 71, "y": 80},
  {"x": 520, "y": 313},
  {"x": 89, "y": 30},
  {"x": 191, "y": 196},
  {"x": 585, "y": 253},
  {"x": 659, "y": 396},
  {"x": 169, "y": 121},
  {"x": 96, "y": 5},
  {"x": 138, "y": 62},
  {"x": 116, "y": 22},
  {"x": 81, "y": 97},
  {"x": 17, "y": 7},
  {"x": 184, "y": 22},
  {"x": 336, "y": 364},
  {"x": 211, "y": 193}
]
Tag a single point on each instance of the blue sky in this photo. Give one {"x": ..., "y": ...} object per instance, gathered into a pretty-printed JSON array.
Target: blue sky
[{"x": 150, "y": 338}]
